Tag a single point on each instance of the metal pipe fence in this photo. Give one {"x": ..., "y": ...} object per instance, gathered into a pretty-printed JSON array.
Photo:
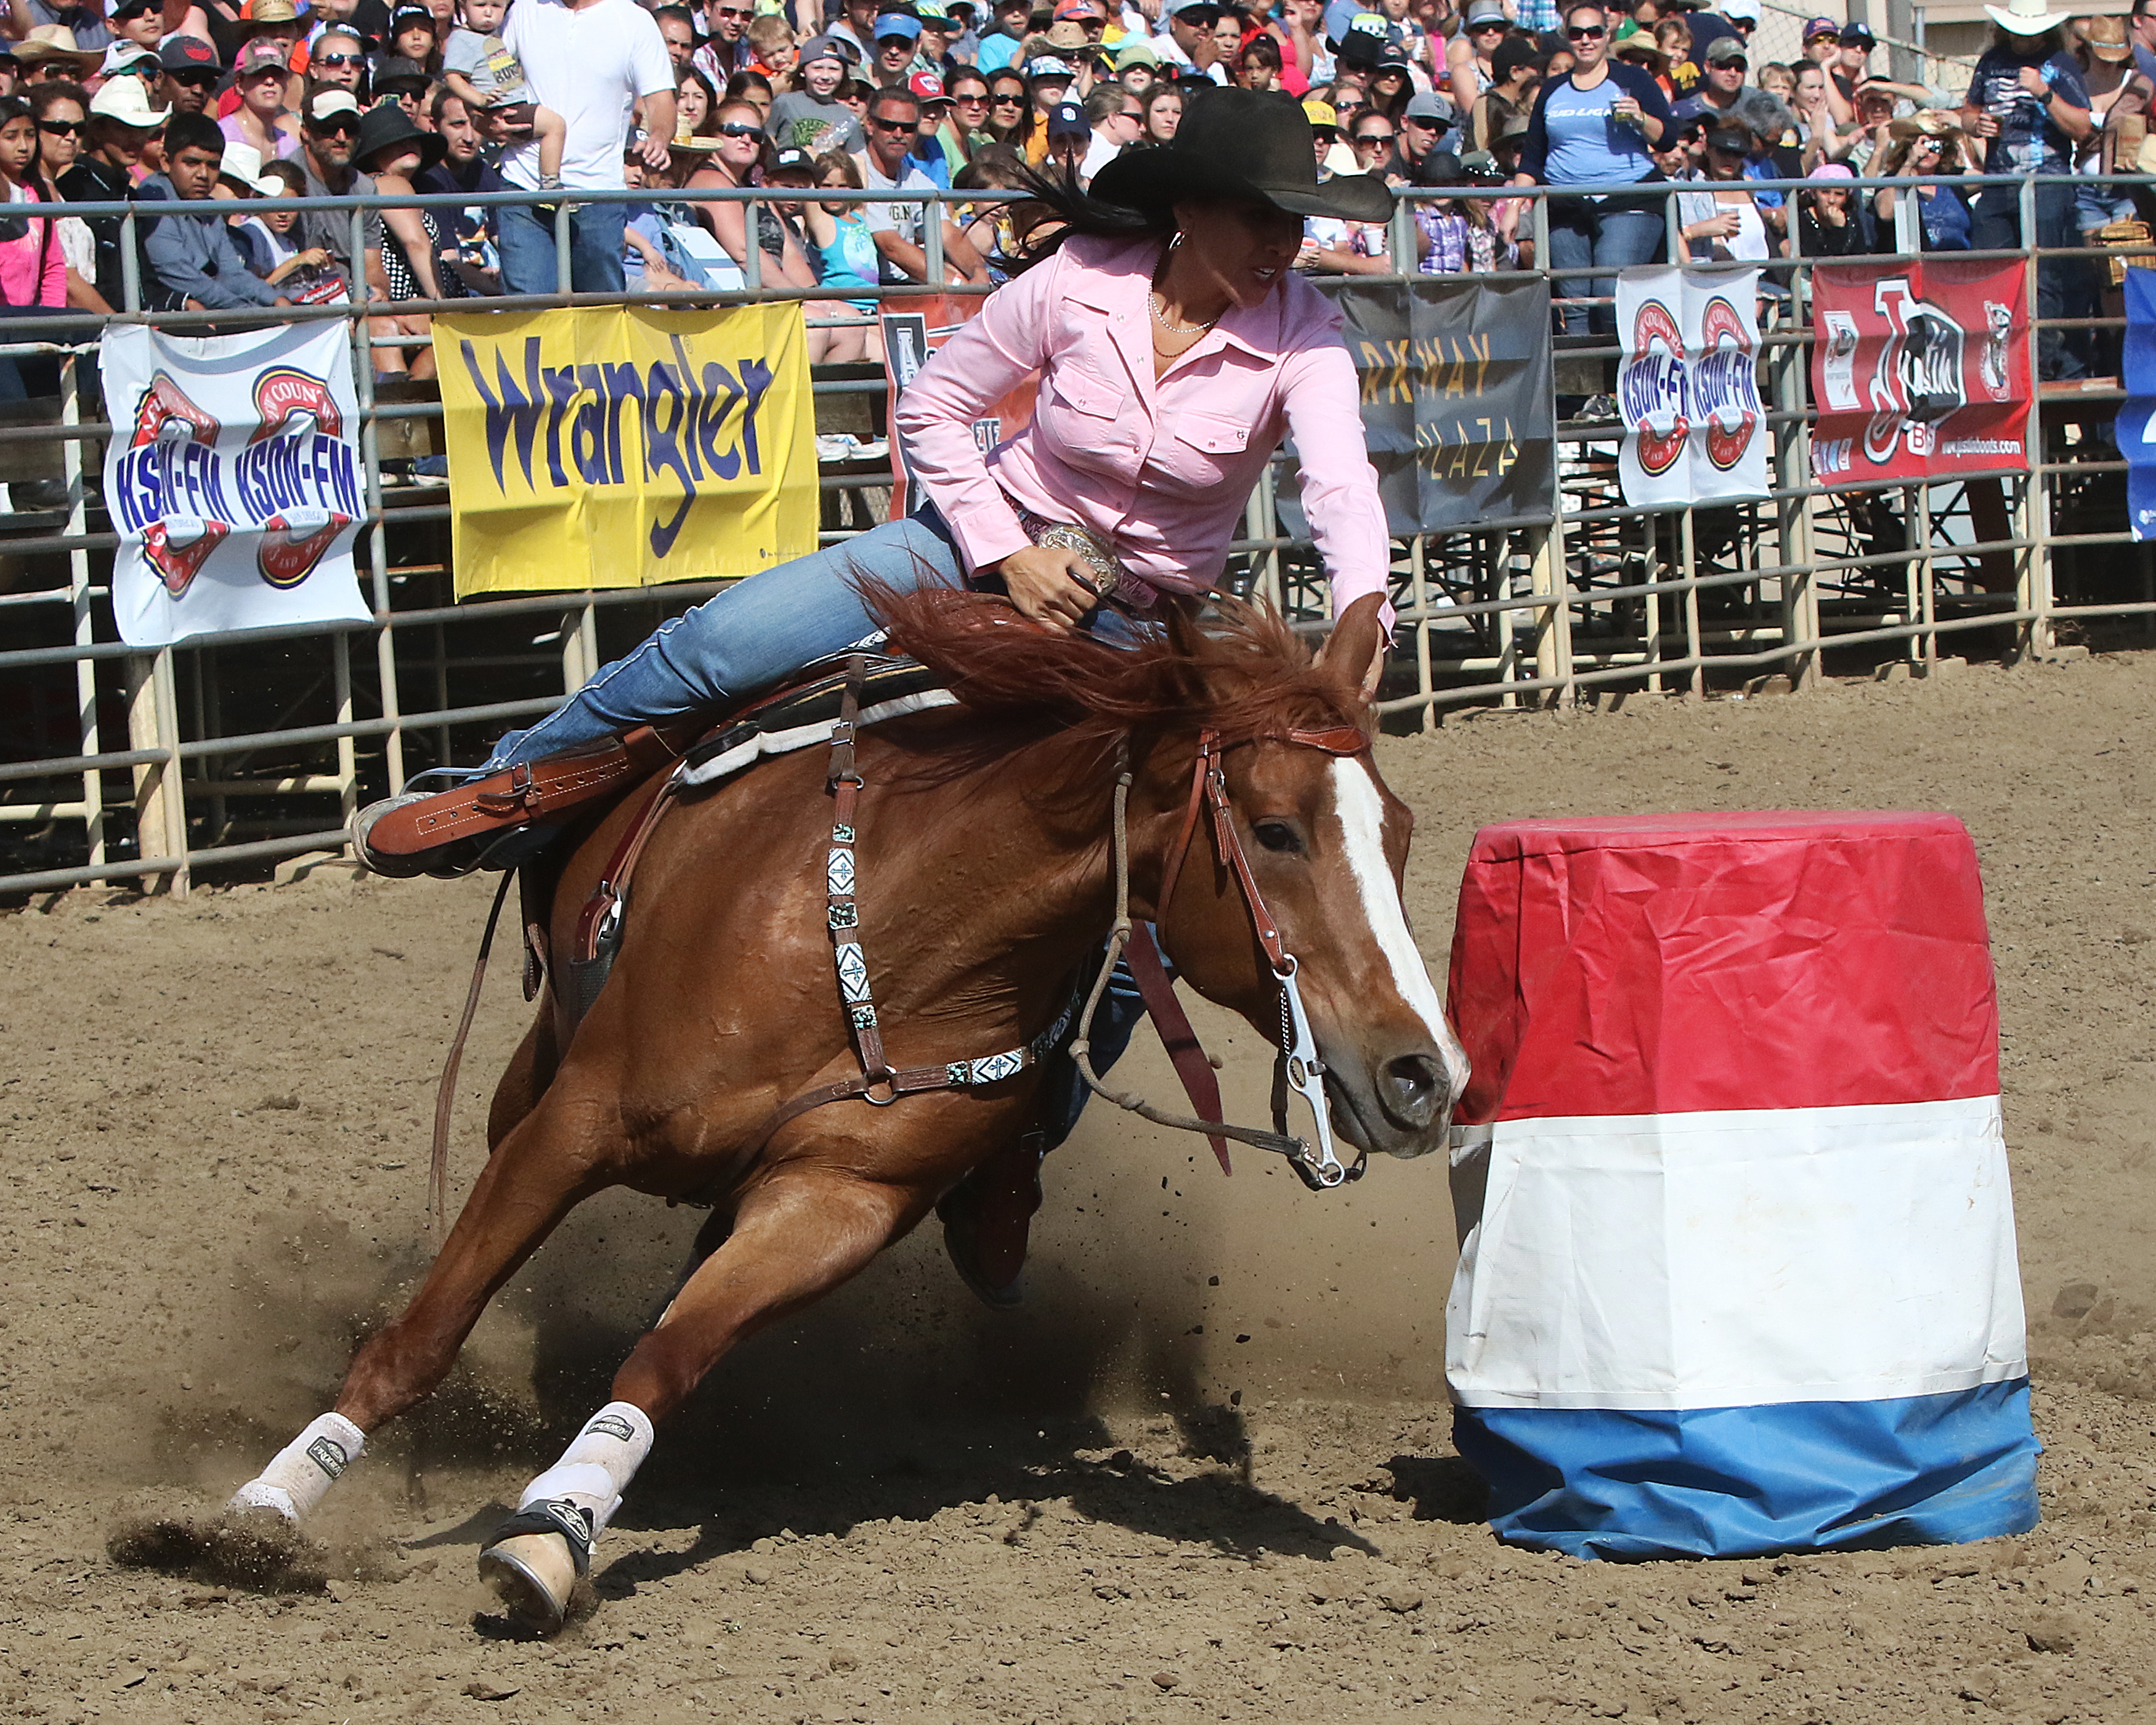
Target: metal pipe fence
[{"x": 236, "y": 749}]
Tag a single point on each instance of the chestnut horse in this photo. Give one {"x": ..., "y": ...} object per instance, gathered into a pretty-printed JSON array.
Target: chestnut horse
[{"x": 985, "y": 884}]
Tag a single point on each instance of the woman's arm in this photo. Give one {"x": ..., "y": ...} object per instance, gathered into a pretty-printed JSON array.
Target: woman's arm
[
  {"x": 1009, "y": 341},
  {"x": 411, "y": 234},
  {"x": 1323, "y": 401},
  {"x": 314, "y": 258}
]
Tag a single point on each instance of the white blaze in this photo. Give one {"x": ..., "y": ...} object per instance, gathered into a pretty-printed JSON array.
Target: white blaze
[{"x": 1362, "y": 813}]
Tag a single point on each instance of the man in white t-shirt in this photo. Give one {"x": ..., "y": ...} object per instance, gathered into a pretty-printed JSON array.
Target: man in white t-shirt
[
  {"x": 1118, "y": 122},
  {"x": 593, "y": 62}
]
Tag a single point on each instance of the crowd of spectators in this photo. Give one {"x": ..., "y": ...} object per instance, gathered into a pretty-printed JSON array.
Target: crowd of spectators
[{"x": 214, "y": 103}]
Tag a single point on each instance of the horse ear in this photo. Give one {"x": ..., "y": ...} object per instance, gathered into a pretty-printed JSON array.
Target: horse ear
[{"x": 1354, "y": 641}]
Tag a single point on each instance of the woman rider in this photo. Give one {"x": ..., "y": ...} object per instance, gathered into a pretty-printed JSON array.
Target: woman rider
[{"x": 1174, "y": 345}]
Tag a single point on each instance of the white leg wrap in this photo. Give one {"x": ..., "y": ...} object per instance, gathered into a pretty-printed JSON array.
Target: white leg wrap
[
  {"x": 596, "y": 1469},
  {"x": 301, "y": 1472}
]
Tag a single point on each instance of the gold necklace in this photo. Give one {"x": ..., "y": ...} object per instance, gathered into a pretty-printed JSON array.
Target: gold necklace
[{"x": 1160, "y": 316}]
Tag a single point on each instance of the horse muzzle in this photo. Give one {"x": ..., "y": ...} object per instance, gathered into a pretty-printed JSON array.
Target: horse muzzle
[{"x": 1399, "y": 1102}]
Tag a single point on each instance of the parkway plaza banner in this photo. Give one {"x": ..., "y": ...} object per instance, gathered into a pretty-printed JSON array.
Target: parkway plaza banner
[
  {"x": 621, "y": 446},
  {"x": 1688, "y": 386},
  {"x": 1920, "y": 366},
  {"x": 233, "y": 477}
]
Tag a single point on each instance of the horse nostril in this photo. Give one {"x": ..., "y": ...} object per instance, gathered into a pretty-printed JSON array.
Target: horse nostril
[{"x": 1414, "y": 1089}]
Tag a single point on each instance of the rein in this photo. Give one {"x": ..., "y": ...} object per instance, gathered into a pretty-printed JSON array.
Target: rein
[{"x": 1297, "y": 1066}]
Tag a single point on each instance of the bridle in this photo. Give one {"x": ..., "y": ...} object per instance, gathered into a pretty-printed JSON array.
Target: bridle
[{"x": 1297, "y": 1066}]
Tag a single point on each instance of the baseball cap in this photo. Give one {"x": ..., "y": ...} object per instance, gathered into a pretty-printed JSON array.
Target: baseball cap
[
  {"x": 1136, "y": 54},
  {"x": 1067, "y": 120},
  {"x": 328, "y": 104},
  {"x": 187, "y": 54},
  {"x": 791, "y": 161},
  {"x": 1199, "y": 13},
  {"x": 1046, "y": 66},
  {"x": 1725, "y": 48},
  {"x": 1858, "y": 36},
  {"x": 1322, "y": 115},
  {"x": 1075, "y": 12},
  {"x": 1431, "y": 108},
  {"x": 828, "y": 47},
  {"x": 927, "y": 86},
  {"x": 1818, "y": 27},
  {"x": 1512, "y": 53},
  {"x": 1487, "y": 12},
  {"x": 897, "y": 24},
  {"x": 404, "y": 15},
  {"x": 121, "y": 55},
  {"x": 126, "y": 100},
  {"x": 1741, "y": 11},
  {"x": 1360, "y": 48},
  {"x": 1832, "y": 171},
  {"x": 262, "y": 53},
  {"x": 129, "y": 8},
  {"x": 1734, "y": 139}
]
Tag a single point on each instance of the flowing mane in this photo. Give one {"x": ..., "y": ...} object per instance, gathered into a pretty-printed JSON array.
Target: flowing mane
[{"x": 1243, "y": 673}]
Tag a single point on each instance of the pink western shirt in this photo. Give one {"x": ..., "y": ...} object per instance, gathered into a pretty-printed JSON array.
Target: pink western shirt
[{"x": 1161, "y": 468}]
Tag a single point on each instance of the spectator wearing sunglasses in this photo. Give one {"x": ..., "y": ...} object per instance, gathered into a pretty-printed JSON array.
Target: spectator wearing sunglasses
[
  {"x": 1596, "y": 125},
  {"x": 62, "y": 111},
  {"x": 121, "y": 122},
  {"x": 725, "y": 50},
  {"x": 192, "y": 73},
  {"x": 887, "y": 164},
  {"x": 1723, "y": 95},
  {"x": 1470, "y": 57},
  {"x": 1375, "y": 141},
  {"x": 339, "y": 58},
  {"x": 328, "y": 126}
]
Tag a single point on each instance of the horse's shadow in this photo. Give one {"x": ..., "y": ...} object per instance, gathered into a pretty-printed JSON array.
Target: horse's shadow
[{"x": 1217, "y": 1507}]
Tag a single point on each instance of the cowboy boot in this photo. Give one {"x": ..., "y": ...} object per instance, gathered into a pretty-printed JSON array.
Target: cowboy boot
[{"x": 986, "y": 1217}]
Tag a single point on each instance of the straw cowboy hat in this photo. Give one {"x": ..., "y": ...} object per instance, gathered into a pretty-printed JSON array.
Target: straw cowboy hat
[
  {"x": 1241, "y": 144},
  {"x": 2107, "y": 39},
  {"x": 56, "y": 42},
  {"x": 2025, "y": 17}
]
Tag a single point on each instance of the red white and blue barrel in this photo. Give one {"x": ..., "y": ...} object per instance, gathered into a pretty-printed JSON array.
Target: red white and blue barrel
[{"x": 1736, "y": 1269}]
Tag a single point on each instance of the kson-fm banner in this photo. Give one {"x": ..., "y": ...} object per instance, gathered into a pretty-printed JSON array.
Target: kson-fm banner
[
  {"x": 1455, "y": 375},
  {"x": 233, "y": 478},
  {"x": 1688, "y": 386},
  {"x": 2136, "y": 419},
  {"x": 1919, "y": 367},
  {"x": 620, "y": 446}
]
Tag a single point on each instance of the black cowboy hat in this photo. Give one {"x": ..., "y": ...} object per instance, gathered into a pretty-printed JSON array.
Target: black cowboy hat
[
  {"x": 386, "y": 123},
  {"x": 1241, "y": 144}
]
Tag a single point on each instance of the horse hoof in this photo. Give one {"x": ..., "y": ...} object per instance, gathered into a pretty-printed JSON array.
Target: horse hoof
[{"x": 533, "y": 1576}]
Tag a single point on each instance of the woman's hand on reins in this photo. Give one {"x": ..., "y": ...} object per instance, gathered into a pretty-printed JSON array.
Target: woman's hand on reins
[{"x": 1048, "y": 585}]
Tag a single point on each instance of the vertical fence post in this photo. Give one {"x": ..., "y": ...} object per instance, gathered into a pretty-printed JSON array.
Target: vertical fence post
[
  {"x": 78, "y": 608},
  {"x": 377, "y": 552},
  {"x": 563, "y": 275},
  {"x": 1549, "y": 577},
  {"x": 347, "y": 753},
  {"x": 130, "y": 262},
  {"x": 160, "y": 821},
  {"x": 931, "y": 239},
  {"x": 2032, "y": 577},
  {"x": 1418, "y": 552}
]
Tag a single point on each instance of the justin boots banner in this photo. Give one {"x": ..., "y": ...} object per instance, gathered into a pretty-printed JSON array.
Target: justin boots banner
[
  {"x": 623, "y": 446},
  {"x": 1920, "y": 367},
  {"x": 233, "y": 476}
]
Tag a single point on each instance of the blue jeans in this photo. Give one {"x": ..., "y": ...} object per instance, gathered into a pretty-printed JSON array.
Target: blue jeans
[
  {"x": 1584, "y": 235},
  {"x": 2064, "y": 285},
  {"x": 749, "y": 638},
  {"x": 526, "y": 241}
]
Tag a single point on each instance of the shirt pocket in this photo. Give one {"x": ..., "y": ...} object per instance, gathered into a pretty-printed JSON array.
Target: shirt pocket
[
  {"x": 1200, "y": 450},
  {"x": 1084, "y": 417}
]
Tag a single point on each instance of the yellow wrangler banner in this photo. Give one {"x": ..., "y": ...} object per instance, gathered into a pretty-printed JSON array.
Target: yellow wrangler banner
[{"x": 618, "y": 447}]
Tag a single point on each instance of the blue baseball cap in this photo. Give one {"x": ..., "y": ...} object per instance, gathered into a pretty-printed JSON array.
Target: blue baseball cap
[{"x": 897, "y": 24}]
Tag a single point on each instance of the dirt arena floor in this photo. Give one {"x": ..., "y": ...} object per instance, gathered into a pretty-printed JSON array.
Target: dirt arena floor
[{"x": 1205, "y": 1475}]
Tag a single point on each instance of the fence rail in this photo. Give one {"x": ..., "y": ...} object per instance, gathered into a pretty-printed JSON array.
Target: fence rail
[{"x": 235, "y": 749}]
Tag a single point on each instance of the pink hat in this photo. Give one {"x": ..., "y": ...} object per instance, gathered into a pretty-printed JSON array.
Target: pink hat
[{"x": 1832, "y": 171}]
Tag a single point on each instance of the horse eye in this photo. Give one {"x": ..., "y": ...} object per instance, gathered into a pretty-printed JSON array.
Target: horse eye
[{"x": 1277, "y": 835}]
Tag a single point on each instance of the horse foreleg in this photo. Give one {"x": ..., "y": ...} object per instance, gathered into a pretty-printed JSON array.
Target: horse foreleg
[
  {"x": 536, "y": 1176},
  {"x": 796, "y": 1237}
]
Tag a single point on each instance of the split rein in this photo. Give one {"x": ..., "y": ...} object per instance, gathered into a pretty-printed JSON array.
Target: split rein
[{"x": 1297, "y": 1066}]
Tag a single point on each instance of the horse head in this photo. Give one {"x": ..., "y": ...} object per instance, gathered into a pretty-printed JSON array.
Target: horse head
[
  {"x": 1256, "y": 804},
  {"x": 1301, "y": 805}
]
